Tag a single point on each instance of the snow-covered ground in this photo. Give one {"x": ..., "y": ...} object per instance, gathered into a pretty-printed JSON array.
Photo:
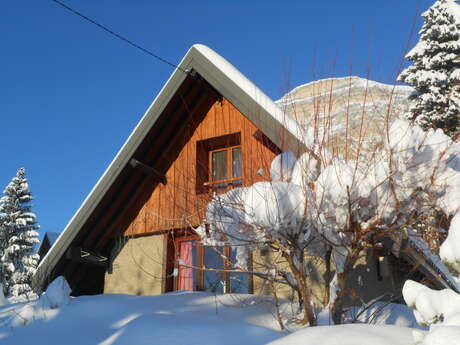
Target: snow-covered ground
[
  {"x": 352, "y": 334},
  {"x": 438, "y": 309},
  {"x": 183, "y": 318},
  {"x": 175, "y": 318}
]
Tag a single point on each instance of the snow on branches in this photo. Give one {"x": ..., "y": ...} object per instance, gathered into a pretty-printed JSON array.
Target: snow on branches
[
  {"x": 413, "y": 173},
  {"x": 321, "y": 201},
  {"x": 435, "y": 72},
  {"x": 18, "y": 227}
]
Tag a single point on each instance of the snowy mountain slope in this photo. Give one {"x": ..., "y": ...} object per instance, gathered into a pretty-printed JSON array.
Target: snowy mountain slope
[{"x": 341, "y": 105}]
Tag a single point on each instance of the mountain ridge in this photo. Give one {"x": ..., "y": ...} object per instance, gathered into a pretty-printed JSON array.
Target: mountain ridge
[{"x": 348, "y": 110}]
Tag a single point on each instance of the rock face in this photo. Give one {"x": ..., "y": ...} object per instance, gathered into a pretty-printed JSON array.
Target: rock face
[{"x": 347, "y": 111}]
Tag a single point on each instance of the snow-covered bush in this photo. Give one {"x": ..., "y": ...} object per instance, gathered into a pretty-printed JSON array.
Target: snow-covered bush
[
  {"x": 18, "y": 227},
  {"x": 438, "y": 309},
  {"x": 435, "y": 73},
  {"x": 28, "y": 309},
  {"x": 382, "y": 313},
  {"x": 347, "y": 206},
  {"x": 450, "y": 249},
  {"x": 57, "y": 294}
]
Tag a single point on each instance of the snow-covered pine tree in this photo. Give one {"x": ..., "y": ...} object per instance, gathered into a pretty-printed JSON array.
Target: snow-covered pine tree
[
  {"x": 18, "y": 225},
  {"x": 3, "y": 246},
  {"x": 435, "y": 72}
]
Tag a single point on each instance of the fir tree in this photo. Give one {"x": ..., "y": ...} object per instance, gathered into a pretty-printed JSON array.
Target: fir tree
[
  {"x": 18, "y": 226},
  {"x": 435, "y": 72}
]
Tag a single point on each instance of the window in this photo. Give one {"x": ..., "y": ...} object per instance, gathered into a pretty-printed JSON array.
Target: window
[
  {"x": 226, "y": 168},
  {"x": 240, "y": 282},
  {"x": 190, "y": 256},
  {"x": 186, "y": 252},
  {"x": 224, "y": 281},
  {"x": 219, "y": 163},
  {"x": 214, "y": 281}
]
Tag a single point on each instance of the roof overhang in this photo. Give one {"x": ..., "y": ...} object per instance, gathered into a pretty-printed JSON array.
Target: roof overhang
[
  {"x": 430, "y": 263},
  {"x": 410, "y": 245}
]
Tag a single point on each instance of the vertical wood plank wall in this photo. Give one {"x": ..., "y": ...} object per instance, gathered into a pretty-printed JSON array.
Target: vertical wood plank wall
[{"x": 178, "y": 204}]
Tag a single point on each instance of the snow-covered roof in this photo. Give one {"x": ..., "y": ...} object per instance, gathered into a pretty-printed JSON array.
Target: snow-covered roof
[
  {"x": 230, "y": 83},
  {"x": 52, "y": 237},
  {"x": 432, "y": 262}
]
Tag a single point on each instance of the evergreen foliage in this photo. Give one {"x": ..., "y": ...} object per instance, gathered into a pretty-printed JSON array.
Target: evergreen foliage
[
  {"x": 18, "y": 227},
  {"x": 435, "y": 72}
]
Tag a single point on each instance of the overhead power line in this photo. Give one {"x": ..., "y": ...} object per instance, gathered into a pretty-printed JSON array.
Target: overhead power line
[
  {"x": 135, "y": 45},
  {"x": 113, "y": 33}
]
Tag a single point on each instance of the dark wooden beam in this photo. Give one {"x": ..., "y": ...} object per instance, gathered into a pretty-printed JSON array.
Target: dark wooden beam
[
  {"x": 148, "y": 170},
  {"x": 86, "y": 256}
]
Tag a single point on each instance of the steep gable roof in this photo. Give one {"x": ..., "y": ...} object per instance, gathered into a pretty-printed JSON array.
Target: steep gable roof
[{"x": 229, "y": 83}]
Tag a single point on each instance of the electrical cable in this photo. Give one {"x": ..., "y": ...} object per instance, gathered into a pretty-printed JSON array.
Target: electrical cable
[
  {"x": 137, "y": 46},
  {"x": 113, "y": 33}
]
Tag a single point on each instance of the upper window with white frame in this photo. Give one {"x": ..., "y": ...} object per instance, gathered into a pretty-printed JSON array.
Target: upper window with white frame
[{"x": 219, "y": 163}]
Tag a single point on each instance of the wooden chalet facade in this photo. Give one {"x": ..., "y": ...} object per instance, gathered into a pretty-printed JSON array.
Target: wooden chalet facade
[{"x": 209, "y": 129}]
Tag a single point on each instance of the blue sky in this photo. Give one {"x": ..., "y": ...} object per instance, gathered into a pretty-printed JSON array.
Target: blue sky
[{"x": 70, "y": 94}]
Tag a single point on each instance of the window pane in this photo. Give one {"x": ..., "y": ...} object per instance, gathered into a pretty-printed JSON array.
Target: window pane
[
  {"x": 236, "y": 164},
  {"x": 219, "y": 165},
  {"x": 239, "y": 282},
  {"x": 187, "y": 256},
  {"x": 213, "y": 281}
]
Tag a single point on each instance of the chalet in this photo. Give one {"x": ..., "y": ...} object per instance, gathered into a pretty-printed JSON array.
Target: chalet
[
  {"x": 47, "y": 243},
  {"x": 208, "y": 130}
]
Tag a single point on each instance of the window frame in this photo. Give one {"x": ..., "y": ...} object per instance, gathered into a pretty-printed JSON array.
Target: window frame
[
  {"x": 203, "y": 170},
  {"x": 230, "y": 180},
  {"x": 199, "y": 270},
  {"x": 177, "y": 242}
]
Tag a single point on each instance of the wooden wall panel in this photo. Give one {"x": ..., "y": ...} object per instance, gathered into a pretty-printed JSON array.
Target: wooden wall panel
[{"x": 177, "y": 204}]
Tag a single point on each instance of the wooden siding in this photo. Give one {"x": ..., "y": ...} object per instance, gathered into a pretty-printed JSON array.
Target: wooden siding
[
  {"x": 180, "y": 203},
  {"x": 138, "y": 203}
]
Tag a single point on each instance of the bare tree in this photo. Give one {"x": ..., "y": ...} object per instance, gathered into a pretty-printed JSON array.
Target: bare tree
[{"x": 344, "y": 204}]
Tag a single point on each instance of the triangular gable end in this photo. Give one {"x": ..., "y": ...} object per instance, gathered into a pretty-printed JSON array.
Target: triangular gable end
[{"x": 216, "y": 77}]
